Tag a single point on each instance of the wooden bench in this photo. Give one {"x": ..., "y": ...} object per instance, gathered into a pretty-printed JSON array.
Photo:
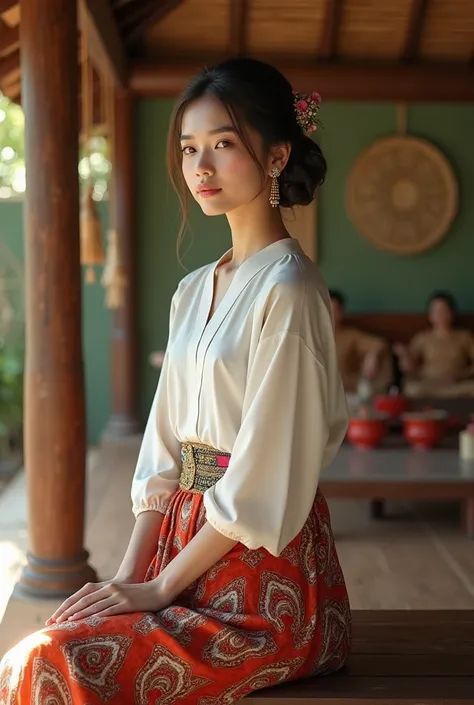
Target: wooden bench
[{"x": 398, "y": 658}]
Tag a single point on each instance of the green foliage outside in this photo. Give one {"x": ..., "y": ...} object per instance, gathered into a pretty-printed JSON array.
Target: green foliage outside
[
  {"x": 13, "y": 185},
  {"x": 11, "y": 390},
  {"x": 12, "y": 155}
]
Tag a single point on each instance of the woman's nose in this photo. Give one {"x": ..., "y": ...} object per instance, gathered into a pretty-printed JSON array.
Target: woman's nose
[{"x": 204, "y": 166}]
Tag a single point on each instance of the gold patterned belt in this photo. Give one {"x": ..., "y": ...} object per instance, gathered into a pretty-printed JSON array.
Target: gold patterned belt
[{"x": 201, "y": 467}]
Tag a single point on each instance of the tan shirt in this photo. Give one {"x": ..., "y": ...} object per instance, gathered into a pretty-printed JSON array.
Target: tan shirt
[
  {"x": 443, "y": 358},
  {"x": 260, "y": 381},
  {"x": 352, "y": 347}
]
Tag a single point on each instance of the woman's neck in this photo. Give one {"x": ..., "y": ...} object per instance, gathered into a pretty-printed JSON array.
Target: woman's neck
[{"x": 254, "y": 227}]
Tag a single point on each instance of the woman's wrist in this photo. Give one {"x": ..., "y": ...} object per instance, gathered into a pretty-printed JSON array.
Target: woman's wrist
[
  {"x": 164, "y": 589},
  {"x": 128, "y": 576}
]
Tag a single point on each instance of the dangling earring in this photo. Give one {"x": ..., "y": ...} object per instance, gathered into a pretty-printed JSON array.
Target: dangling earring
[{"x": 275, "y": 189}]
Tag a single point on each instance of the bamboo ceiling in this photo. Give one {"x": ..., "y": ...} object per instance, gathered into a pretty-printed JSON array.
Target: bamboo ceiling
[{"x": 290, "y": 32}]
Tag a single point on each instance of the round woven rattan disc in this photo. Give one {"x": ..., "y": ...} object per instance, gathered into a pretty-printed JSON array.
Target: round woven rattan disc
[{"x": 402, "y": 194}]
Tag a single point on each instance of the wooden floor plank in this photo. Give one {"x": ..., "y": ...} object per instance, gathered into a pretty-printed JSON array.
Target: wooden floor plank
[{"x": 420, "y": 577}]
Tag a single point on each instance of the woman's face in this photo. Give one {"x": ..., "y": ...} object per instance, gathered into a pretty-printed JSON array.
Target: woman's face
[
  {"x": 217, "y": 168},
  {"x": 440, "y": 314}
]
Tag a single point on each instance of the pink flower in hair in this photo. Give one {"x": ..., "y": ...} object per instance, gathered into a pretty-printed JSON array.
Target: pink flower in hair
[{"x": 307, "y": 111}]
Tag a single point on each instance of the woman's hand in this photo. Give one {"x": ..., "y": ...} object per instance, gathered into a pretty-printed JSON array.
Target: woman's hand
[
  {"x": 109, "y": 598},
  {"x": 400, "y": 350}
]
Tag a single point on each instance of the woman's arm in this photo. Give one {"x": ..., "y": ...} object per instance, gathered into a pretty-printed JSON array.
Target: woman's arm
[
  {"x": 469, "y": 371},
  {"x": 408, "y": 361},
  {"x": 141, "y": 547},
  {"x": 205, "y": 549},
  {"x": 118, "y": 597}
]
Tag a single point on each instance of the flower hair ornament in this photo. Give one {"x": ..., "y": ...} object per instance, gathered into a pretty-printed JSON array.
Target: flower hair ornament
[{"x": 307, "y": 111}]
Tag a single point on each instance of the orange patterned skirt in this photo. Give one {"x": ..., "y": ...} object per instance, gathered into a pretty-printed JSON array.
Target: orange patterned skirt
[{"x": 252, "y": 621}]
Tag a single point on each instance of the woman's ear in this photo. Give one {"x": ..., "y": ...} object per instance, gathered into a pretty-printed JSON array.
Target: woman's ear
[{"x": 279, "y": 155}]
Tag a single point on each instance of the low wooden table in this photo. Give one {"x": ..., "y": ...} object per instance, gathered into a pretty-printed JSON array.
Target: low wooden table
[
  {"x": 398, "y": 658},
  {"x": 402, "y": 473}
]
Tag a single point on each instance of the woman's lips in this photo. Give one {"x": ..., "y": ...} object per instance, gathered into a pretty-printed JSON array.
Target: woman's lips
[{"x": 208, "y": 192}]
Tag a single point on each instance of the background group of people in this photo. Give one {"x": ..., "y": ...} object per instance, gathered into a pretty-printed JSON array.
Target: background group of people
[{"x": 437, "y": 362}]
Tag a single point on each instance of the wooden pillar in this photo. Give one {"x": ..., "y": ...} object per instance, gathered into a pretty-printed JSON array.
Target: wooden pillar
[
  {"x": 124, "y": 342},
  {"x": 55, "y": 436}
]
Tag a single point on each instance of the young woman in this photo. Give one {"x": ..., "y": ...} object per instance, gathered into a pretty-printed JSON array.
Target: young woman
[{"x": 231, "y": 581}]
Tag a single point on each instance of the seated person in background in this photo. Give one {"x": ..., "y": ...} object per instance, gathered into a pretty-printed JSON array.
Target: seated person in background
[
  {"x": 439, "y": 361},
  {"x": 360, "y": 355}
]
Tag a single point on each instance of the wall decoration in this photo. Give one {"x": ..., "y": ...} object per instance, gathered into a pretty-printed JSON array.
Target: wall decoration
[{"x": 402, "y": 194}]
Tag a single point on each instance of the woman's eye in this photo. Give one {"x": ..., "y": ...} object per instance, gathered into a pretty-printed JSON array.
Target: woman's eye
[
  {"x": 186, "y": 150},
  {"x": 223, "y": 143}
]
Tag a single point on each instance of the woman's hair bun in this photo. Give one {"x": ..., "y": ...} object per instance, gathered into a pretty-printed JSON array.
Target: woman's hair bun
[{"x": 304, "y": 172}]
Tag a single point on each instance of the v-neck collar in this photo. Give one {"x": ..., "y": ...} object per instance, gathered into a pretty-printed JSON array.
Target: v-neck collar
[{"x": 247, "y": 270}]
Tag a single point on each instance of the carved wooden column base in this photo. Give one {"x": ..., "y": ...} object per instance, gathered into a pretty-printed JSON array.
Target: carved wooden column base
[{"x": 42, "y": 578}]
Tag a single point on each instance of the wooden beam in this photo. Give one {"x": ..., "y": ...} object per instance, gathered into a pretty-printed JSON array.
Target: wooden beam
[
  {"x": 6, "y": 5},
  {"x": 9, "y": 65},
  {"x": 329, "y": 36},
  {"x": 12, "y": 91},
  {"x": 146, "y": 16},
  {"x": 238, "y": 27},
  {"x": 104, "y": 41},
  {"x": 420, "y": 82},
  {"x": 415, "y": 27},
  {"x": 9, "y": 38}
]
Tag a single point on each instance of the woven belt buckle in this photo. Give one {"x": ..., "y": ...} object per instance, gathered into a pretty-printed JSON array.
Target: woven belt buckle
[{"x": 188, "y": 467}]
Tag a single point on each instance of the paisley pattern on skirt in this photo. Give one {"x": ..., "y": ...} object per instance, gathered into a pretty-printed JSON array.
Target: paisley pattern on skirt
[{"x": 252, "y": 621}]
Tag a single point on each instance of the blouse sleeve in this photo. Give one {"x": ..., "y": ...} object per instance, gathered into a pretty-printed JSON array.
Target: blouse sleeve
[
  {"x": 158, "y": 466},
  {"x": 266, "y": 493}
]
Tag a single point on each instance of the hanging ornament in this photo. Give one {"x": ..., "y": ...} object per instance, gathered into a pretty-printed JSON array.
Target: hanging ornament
[
  {"x": 92, "y": 253},
  {"x": 90, "y": 229},
  {"x": 113, "y": 278}
]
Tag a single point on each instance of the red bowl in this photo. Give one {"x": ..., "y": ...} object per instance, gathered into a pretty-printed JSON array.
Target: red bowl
[
  {"x": 392, "y": 404},
  {"x": 424, "y": 429},
  {"x": 367, "y": 433}
]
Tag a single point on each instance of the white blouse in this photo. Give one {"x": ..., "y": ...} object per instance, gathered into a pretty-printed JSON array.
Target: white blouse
[{"x": 259, "y": 380}]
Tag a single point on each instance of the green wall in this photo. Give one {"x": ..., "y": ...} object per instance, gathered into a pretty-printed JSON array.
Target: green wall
[
  {"x": 96, "y": 325},
  {"x": 372, "y": 279}
]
